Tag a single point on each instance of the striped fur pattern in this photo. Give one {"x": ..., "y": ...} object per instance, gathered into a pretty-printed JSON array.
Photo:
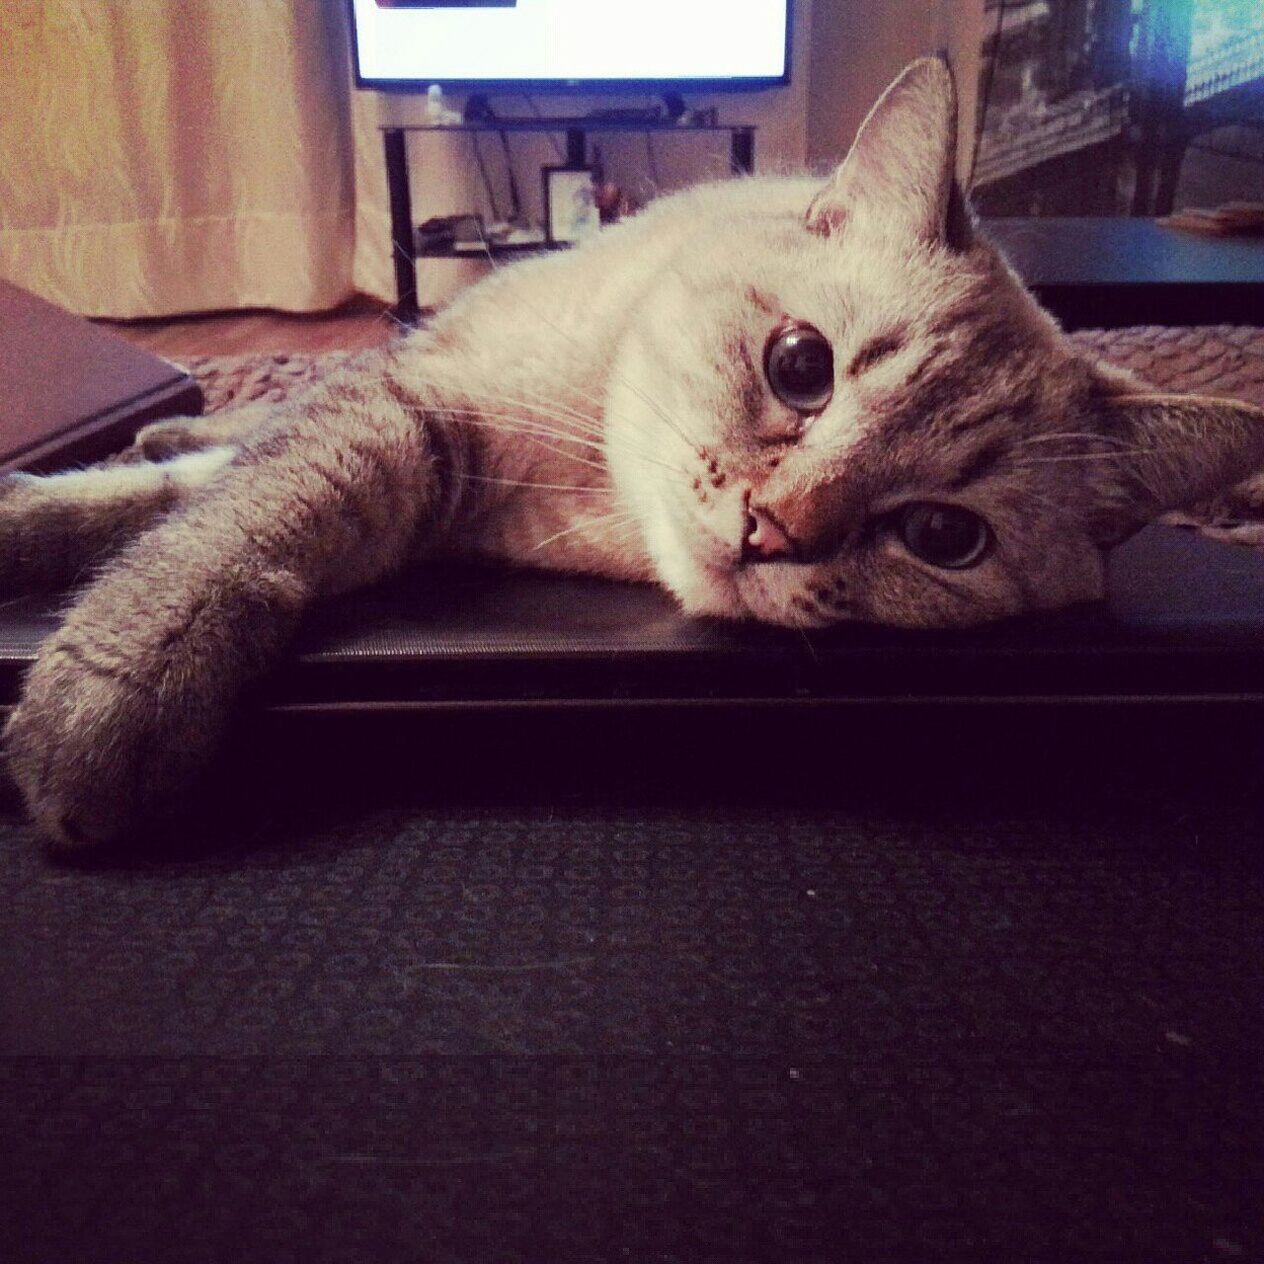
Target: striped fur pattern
[{"x": 609, "y": 411}]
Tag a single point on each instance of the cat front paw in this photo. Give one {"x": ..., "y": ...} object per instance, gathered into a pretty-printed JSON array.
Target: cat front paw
[{"x": 90, "y": 748}]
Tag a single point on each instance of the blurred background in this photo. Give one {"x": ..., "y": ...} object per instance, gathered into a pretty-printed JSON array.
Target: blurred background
[
  {"x": 1118, "y": 107},
  {"x": 159, "y": 160}
]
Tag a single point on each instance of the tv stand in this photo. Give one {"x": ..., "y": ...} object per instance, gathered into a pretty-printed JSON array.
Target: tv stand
[
  {"x": 404, "y": 247},
  {"x": 478, "y": 110},
  {"x": 641, "y": 114}
]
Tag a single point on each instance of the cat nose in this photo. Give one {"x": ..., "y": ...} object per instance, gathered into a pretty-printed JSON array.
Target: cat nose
[{"x": 765, "y": 540}]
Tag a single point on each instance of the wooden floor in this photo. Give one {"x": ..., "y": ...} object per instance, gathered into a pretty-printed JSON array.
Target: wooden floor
[{"x": 364, "y": 323}]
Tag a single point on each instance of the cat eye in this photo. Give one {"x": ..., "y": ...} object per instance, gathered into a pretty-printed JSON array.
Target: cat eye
[
  {"x": 946, "y": 536},
  {"x": 799, "y": 365}
]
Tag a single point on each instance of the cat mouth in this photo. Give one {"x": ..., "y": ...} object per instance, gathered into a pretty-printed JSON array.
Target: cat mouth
[
  {"x": 723, "y": 588},
  {"x": 758, "y": 602},
  {"x": 741, "y": 591}
]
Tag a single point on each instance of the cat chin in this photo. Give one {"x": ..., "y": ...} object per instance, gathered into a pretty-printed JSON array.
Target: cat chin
[
  {"x": 762, "y": 605},
  {"x": 701, "y": 587},
  {"x": 712, "y": 592},
  {"x": 686, "y": 558},
  {"x": 704, "y": 590}
]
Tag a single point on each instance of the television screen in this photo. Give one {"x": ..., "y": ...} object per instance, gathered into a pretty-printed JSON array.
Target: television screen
[{"x": 591, "y": 43}]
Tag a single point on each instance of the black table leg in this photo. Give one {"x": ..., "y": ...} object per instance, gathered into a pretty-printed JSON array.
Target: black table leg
[
  {"x": 1170, "y": 162},
  {"x": 743, "y": 156},
  {"x": 402, "y": 242}
]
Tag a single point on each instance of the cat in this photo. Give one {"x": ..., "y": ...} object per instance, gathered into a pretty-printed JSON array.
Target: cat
[{"x": 783, "y": 402}]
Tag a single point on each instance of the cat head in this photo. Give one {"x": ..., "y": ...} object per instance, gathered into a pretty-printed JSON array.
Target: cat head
[{"x": 858, "y": 412}]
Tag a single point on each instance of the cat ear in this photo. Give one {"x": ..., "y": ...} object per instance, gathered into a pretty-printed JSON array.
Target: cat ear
[
  {"x": 898, "y": 178},
  {"x": 1171, "y": 451}
]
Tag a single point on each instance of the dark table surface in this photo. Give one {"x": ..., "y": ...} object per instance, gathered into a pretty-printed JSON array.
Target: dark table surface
[{"x": 1095, "y": 273}]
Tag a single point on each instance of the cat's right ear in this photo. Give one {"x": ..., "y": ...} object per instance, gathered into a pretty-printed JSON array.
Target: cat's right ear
[
  {"x": 1172, "y": 450},
  {"x": 898, "y": 180}
]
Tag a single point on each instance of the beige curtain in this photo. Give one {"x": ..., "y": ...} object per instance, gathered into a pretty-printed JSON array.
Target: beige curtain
[{"x": 164, "y": 156}]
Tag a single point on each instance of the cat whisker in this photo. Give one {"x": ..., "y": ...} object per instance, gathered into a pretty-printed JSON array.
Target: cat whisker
[
  {"x": 1117, "y": 455},
  {"x": 387, "y": 315},
  {"x": 660, "y": 412},
  {"x": 1054, "y": 508},
  {"x": 1069, "y": 435},
  {"x": 653, "y": 404},
  {"x": 596, "y": 439},
  {"x": 550, "y": 409},
  {"x": 525, "y": 424},
  {"x": 403, "y": 254},
  {"x": 519, "y": 419},
  {"x": 611, "y": 521},
  {"x": 538, "y": 439},
  {"x": 544, "y": 319},
  {"x": 487, "y": 249},
  {"x": 600, "y": 404},
  {"x": 545, "y": 487},
  {"x": 510, "y": 424},
  {"x": 675, "y": 426}
]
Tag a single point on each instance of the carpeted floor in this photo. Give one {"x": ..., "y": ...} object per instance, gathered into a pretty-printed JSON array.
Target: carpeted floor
[
  {"x": 824, "y": 987},
  {"x": 945, "y": 991}
]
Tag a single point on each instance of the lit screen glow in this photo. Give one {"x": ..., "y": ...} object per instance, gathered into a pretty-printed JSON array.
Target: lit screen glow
[{"x": 571, "y": 39}]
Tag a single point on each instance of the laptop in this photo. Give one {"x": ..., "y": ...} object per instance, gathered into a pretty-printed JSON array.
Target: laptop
[{"x": 72, "y": 392}]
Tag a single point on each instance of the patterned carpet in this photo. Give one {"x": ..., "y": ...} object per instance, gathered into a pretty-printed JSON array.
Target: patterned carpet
[
  {"x": 796, "y": 990},
  {"x": 1215, "y": 360}
]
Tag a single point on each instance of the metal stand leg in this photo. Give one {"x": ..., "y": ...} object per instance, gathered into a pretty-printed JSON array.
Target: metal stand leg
[
  {"x": 1147, "y": 172},
  {"x": 402, "y": 237},
  {"x": 742, "y": 159},
  {"x": 1169, "y": 176}
]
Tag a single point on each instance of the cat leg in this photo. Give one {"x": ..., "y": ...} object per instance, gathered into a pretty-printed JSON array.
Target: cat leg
[
  {"x": 127, "y": 700},
  {"x": 55, "y": 527}
]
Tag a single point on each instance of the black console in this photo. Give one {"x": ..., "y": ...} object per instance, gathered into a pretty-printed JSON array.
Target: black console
[{"x": 1183, "y": 621}]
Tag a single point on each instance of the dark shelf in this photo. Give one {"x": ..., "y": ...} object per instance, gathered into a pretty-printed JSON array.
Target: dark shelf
[
  {"x": 570, "y": 124},
  {"x": 492, "y": 250},
  {"x": 405, "y": 249},
  {"x": 1113, "y": 272}
]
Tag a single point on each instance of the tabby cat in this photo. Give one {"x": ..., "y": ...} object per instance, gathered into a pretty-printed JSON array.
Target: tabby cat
[{"x": 783, "y": 402}]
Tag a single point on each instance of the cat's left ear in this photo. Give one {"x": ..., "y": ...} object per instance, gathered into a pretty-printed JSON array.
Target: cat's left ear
[
  {"x": 1168, "y": 451},
  {"x": 899, "y": 180}
]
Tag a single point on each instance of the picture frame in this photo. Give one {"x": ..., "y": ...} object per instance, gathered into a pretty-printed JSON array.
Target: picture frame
[{"x": 571, "y": 213}]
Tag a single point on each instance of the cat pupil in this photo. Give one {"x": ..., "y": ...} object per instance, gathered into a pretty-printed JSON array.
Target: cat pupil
[{"x": 799, "y": 365}]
